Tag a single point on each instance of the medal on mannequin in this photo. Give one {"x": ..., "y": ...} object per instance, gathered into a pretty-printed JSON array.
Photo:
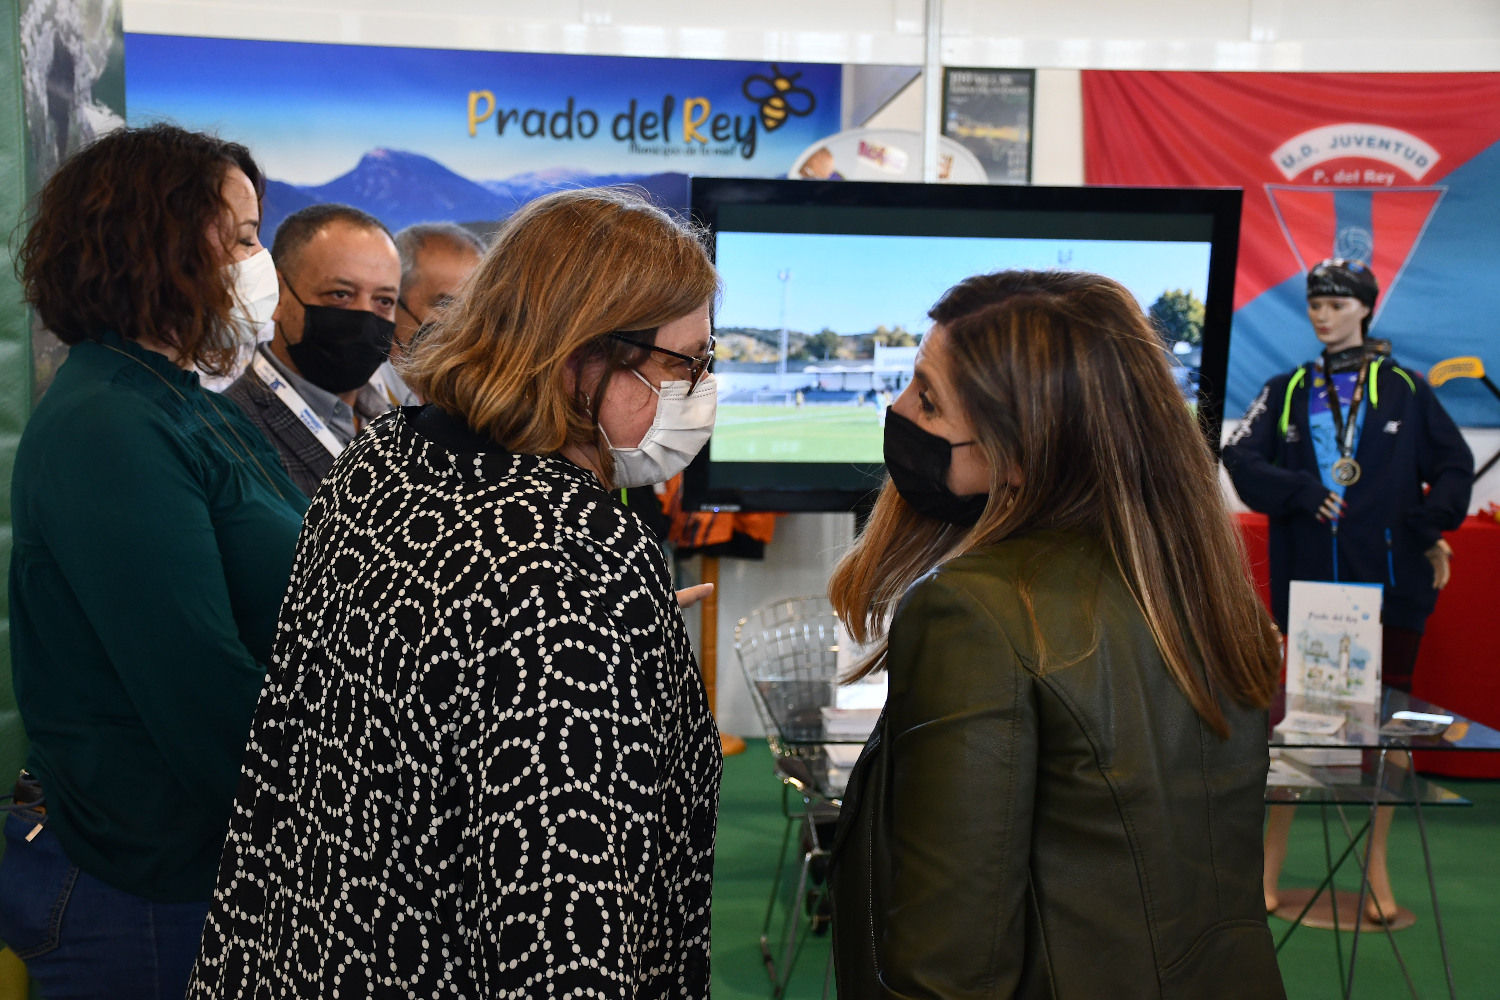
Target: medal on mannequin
[{"x": 1346, "y": 470}]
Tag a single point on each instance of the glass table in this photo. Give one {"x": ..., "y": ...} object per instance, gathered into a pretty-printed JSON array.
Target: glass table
[
  {"x": 1363, "y": 725},
  {"x": 820, "y": 744},
  {"x": 1384, "y": 775}
]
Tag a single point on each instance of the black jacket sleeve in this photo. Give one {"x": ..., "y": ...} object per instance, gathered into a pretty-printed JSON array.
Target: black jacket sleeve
[
  {"x": 1445, "y": 464},
  {"x": 1250, "y": 459}
]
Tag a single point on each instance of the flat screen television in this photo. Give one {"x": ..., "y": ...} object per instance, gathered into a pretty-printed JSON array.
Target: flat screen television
[{"x": 827, "y": 286}]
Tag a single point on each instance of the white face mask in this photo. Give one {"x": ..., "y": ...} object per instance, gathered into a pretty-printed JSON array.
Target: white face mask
[
  {"x": 682, "y": 427},
  {"x": 255, "y": 293},
  {"x": 252, "y": 283}
]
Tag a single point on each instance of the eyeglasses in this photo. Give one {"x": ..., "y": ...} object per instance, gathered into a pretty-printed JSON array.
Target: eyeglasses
[
  {"x": 443, "y": 302},
  {"x": 696, "y": 366}
]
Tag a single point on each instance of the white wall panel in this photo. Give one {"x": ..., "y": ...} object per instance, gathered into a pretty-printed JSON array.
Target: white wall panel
[
  {"x": 1375, "y": 35},
  {"x": 1339, "y": 55},
  {"x": 797, "y": 564},
  {"x": 903, "y": 111},
  {"x": 1064, "y": 19},
  {"x": 876, "y": 32},
  {"x": 1057, "y": 132}
]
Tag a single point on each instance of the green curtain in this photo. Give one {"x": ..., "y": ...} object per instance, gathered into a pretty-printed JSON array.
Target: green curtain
[{"x": 15, "y": 355}]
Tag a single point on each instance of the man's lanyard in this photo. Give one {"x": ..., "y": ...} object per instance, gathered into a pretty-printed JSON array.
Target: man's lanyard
[
  {"x": 292, "y": 400},
  {"x": 380, "y": 385}
]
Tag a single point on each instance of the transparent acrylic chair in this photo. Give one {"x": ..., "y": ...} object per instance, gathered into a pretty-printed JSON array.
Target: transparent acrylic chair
[{"x": 789, "y": 652}]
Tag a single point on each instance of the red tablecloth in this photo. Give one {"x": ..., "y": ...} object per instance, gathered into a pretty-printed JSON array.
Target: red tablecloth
[{"x": 1459, "y": 665}]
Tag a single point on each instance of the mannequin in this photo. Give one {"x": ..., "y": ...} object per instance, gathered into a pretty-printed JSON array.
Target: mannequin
[{"x": 1338, "y": 453}]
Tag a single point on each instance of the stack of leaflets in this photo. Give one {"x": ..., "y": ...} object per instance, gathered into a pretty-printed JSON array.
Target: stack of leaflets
[
  {"x": 1405, "y": 724},
  {"x": 856, "y": 708},
  {"x": 841, "y": 760},
  {"x": 1285, "y": 774},
  {"x": 1316, "y": 727},
  {"x": 849, "y": 722}
]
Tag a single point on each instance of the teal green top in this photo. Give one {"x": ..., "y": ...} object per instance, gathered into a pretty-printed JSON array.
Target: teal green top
[{"x": 154, "y": 531}]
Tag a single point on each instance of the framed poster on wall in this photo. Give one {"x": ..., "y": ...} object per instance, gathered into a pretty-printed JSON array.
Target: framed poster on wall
[{"x": 989, "y": 112}]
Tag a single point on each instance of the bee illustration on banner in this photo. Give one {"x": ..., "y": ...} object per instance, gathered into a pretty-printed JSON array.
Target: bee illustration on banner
[{"x": 778, "y": 96}]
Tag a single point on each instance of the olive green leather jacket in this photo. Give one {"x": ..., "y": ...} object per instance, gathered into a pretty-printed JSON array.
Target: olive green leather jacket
[{"x": 1048, "y": 819}]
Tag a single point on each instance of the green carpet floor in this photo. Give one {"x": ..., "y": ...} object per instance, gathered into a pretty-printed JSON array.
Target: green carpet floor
[{"x": 1464, "y": 846}]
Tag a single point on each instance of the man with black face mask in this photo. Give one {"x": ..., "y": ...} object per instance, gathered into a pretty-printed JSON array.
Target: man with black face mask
[{"x": 315, "y": 385}]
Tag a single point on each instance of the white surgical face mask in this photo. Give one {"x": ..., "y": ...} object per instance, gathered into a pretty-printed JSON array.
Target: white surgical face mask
[
  {"x": 684, "y": 422},
  {"x": 255, "y": 293},
  {"x": 254, "y": 287}
]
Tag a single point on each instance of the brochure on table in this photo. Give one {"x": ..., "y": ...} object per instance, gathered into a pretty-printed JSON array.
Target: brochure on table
[{"x": 1333, "y": 641}]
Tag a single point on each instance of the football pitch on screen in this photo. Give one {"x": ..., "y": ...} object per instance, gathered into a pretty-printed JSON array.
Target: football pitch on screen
[{"x": 745, "y": 432}]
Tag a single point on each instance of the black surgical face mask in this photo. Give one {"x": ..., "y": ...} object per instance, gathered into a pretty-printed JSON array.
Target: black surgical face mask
[
  {"x": 340, "y": 348},
  {"x": 918, "y": 463}
]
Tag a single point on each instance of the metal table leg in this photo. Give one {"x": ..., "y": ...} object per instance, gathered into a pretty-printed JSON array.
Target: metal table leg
[
  {"x": 1327, "y": 882},
  {"x": 765, "y": 931},
  {"x": 1364, "y": 875},
  {"x": 1333, "y": 892},
  {"x": 1411, "y": 987},
  {"x": 1437, "y": 913}
]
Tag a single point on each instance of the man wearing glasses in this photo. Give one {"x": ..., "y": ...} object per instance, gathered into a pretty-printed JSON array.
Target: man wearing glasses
[{"x": 436, "y": 259}]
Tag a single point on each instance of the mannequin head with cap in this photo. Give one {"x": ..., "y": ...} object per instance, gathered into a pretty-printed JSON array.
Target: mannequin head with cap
[{"x": 1341, "y": 295}]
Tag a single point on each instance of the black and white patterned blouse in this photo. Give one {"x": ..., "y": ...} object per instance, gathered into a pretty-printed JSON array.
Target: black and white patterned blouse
[{"x": 483, "y": 763}]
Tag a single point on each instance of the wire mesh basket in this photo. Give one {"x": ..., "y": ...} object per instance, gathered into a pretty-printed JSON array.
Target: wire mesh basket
[{"x": 790, "y": 654}]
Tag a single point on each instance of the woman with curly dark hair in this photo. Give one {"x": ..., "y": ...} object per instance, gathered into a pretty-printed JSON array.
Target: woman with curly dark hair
[{"x": 154, "y": 529}]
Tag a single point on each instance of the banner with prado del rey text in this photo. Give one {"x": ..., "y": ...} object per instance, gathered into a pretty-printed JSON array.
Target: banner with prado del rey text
[
  {"x": 425, "y": 135},
  {"x": 1399, "y": 170}
]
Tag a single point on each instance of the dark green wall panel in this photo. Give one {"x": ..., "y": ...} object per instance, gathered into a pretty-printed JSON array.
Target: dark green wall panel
[{"x": 15, "y": 353}]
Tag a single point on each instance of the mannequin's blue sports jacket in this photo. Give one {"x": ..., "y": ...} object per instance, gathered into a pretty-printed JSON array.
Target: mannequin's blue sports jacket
[{"x": 1416, "y": 477}]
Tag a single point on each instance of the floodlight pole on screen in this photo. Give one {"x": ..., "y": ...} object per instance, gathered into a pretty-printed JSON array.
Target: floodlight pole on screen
[{"x": 786, "y": 291}]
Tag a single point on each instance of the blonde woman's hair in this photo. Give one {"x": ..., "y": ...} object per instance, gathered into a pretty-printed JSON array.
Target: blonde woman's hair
[
  {"x": 563, "y": 273},
  {"x": 1062, "y": 377}
]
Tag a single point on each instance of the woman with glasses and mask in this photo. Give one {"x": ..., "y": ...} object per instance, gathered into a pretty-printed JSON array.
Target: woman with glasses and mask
[
  {"x": 483, "y": 762},
  {"x": 1062, "y": 798},
  {"x": 153, "y": 537},
  {"x": 1360, "y": 470}
]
